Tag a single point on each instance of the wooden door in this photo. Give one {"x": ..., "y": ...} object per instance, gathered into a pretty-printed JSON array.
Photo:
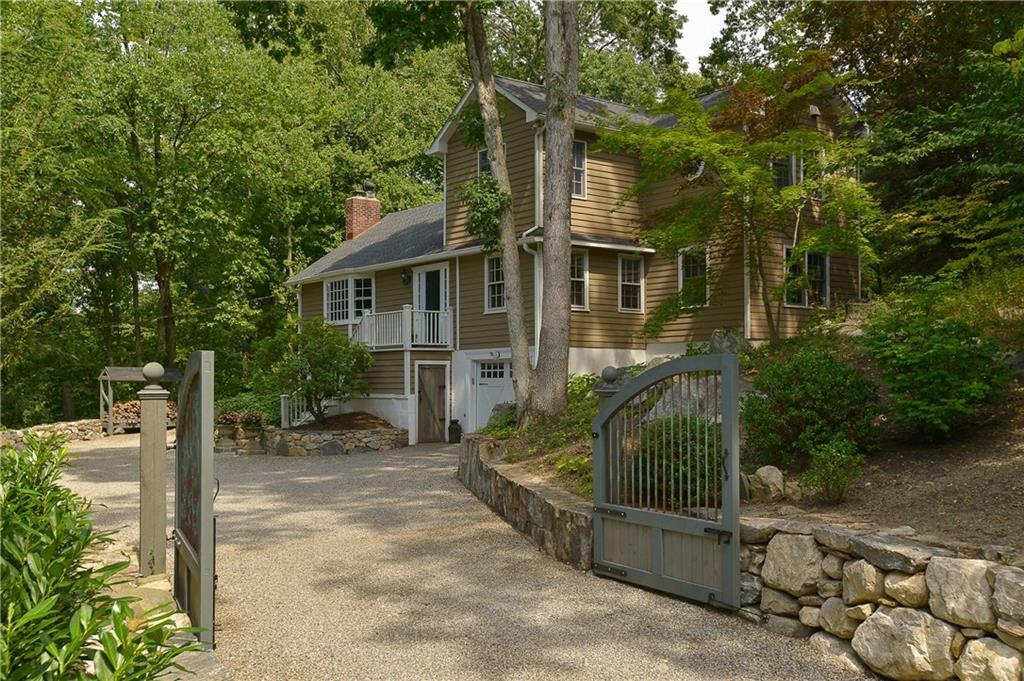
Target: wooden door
[{"x": 430, "y": 399}]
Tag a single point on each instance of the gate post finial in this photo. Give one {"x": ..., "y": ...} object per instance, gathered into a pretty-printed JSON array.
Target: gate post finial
[{"x": 609, "y": 377}]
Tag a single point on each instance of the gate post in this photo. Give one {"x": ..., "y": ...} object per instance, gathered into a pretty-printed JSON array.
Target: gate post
[{"x": 153, "y": 473}]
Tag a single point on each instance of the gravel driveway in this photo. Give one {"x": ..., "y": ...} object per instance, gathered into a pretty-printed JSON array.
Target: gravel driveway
[{"x": 383, "y": 566}]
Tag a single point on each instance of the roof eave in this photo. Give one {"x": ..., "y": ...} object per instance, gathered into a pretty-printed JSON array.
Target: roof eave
[{"x": 439, "y": 147}]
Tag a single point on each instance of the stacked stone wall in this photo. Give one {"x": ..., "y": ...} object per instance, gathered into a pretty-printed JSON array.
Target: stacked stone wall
[
  {"x": 87, "y": 429},
  {"x": 286, "y": 442}
]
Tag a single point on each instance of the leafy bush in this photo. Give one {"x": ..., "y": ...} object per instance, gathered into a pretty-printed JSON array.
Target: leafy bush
[
  {"x": 834, "y": 465},
  {"x": 56, "y": 616},
  {"x": 667, "y": 462},
  {"x": 992, "y": 301},
  {"x": 937, "y": 370},
  {"x": 319, "y": 363},
  {"x": 579, "y": 471},
  {"x": 240, "y": 418},
  {"x": 804, "y": 397},
  {"x": 267, "y": 406}
]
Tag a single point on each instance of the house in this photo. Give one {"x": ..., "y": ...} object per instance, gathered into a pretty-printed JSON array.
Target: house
[{"x": 416, "y": 288}]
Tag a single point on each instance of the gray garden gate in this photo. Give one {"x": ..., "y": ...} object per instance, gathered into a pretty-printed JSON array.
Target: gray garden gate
[{"x": 666, "y": 479}]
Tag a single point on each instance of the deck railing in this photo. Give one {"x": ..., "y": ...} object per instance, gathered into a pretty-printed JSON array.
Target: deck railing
[{"x": 406, "y": 328}]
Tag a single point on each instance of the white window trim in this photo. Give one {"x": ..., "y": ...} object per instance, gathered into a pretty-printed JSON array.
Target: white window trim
[
  {"x": 487, "y": 297},
  {"x": 586, "y": 281},
  {"x": 350, "y": 313},
  {"x": 806, "y": 305},
  {"x": 680, "y": 279},
  {"x": 643, "y": 284},
  {"x": 585, "y": 156}
]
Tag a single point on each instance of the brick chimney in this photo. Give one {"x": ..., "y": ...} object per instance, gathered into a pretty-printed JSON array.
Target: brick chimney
[{"x": 361, "y": 212}]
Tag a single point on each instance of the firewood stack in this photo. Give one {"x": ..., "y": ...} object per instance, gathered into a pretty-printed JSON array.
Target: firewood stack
[{"x": 129, "y": 414}]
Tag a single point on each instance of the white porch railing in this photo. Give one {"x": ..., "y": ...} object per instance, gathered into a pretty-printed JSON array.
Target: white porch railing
[
  {"x": 294, "y": 411},
  {"x": 404, "y": 329}
]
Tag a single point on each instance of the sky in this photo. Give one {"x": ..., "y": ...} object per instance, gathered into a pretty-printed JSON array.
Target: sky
[{"x": 700, "y": 29}]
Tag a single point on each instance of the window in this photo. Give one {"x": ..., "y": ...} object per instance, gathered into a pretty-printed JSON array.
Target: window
[
  {"x": 812, "y": 290},
  {"x": 483, "y": 163},
  {"x": 693, "y": 276},
  {"x": 579, "y": 275},
  {"x": 782, "y": 168},
  {"x": 347, "y": 299},
  {"x": 494, "y": 276},
  {"x": 579, "y": 169},
  {"x": 492, "y": 369},
  {"x": 631, "y": 284}
]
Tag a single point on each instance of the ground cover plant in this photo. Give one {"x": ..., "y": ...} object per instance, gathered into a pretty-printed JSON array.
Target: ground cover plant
[{"x": 56, "y": 621}]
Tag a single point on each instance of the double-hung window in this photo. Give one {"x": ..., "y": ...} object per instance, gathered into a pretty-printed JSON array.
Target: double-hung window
[
  {"x": 631, "y": 283},
  {"x": 579, "y": 170},
  {"x": 494, "y": 284},
  {"x": 788, "y": 170},
  {"x": 347, "y": 299},
  {"x": 483, "y": 161},
  {"x": 693, "y": 276},
  {"x": 804, "y": 291},
  {"x": 579, "y": 280}
]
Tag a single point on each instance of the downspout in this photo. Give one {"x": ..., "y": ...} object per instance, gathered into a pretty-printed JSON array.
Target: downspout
[
  {"x": 746, "y": 289},
  {"x": 538, "y": 215}
]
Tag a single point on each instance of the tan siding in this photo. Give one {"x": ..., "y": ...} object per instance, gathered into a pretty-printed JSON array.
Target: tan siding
[
  {"x": 481, "y": 330},
  {"x": 389, "y": 292},
  {"x": 603, "y": 326},
  {"x": 725, "y": 310},
  {"x": 461, "y": 168},
  {"x": 387, "y": 375},
  {"x": 609, "y": 176},
  {"x": 312, "y": 300}
]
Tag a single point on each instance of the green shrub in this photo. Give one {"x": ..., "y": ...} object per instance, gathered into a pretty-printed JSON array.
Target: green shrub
[
  {"x": 834, "y": 465},
  {"x": 319, "y": 363},
  {"x": 667, "y": 461},
  {"x": 992, "y": 301},
  {"x": 579, "y": 470},
  {"x": 805, "y": 396},
  {"x": 54, "y": 609},
  {"x": 248, "y": 405},
  {"x": 936, "y": 370}
]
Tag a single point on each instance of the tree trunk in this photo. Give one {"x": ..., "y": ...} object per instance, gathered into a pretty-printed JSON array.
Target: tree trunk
[
  {"x": 165, "y": 341},
  {"x": 67, "y": 402},
  {"x": 478, "y": 54},
  {"x": 562, "y": 80}
]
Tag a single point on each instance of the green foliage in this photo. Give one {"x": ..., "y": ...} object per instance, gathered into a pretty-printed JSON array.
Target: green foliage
[
  {"x": 250, "y": 407},
  {"x": 315, "y": 361},
  {"x": 992, "y": 301},
  {"x": 668, "y": 470},
  {"x": 804, "y": 395},
  {"x": 936, "y": 370},
  {"x": 834, "y": 465},
  {"x": 579, "y": 471},
  {"x": 55, "y": 609},
  {"x": 487, "y": 203}
]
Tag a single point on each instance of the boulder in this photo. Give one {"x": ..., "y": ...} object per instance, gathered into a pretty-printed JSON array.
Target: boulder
[
  {"x": 835, "y": 538},
  {"x": 331, "y": 448},
  {"x": 839, "y": 651},
  {"x": 893, "y": 553},
  {"x": 761, "y": 530},
  {"x": 1007, "y": 592},
  {"x": 750, "y": 588},
  {"x": 834, "y": 620},
  {"x": 908, "y": 590},
  {"x": 786, "y": 626},
  {"x": 827, "y": 588},
  {"x": 903, "y": 643},
  {"x": 793, "y": 564},
  {"x": 808, "y": 616},
  {"x": 1016, "y": 642},
  {"x": 860, "y": 612},
  {"x": 773, "y": 483},
  {"x": 811, "y": 599},
  {"x": 862, "y": 583},
  {"x": 959, "y": 592},
  {"x": 778, "y": 603},
  {"x": 832, "y": 566},
  {"x": 986, "y": 659}
]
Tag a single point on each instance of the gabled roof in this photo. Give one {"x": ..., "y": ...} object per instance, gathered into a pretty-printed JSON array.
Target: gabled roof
[
  {"x": 404, "y": 235},
  {"x": 590, "y": 111}
]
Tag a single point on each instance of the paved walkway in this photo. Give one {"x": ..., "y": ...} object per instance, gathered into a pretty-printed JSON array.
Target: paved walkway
[{"x": 382, "y": 566}]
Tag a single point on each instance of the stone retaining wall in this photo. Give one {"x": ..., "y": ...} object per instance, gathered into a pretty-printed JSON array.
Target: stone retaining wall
[
  {"x": 285, "y": 442},
  {"x": 557, "y": 521},
  {"x": 87, "y": 429},
  {"x": 907, "y": 606}
]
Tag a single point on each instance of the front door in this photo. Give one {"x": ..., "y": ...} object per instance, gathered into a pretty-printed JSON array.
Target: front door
[
  {"x": 430, "y": 400},
  {"x": 430, "y": 300}
]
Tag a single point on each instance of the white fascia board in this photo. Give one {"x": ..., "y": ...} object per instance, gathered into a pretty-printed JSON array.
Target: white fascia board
[
  {"x": 585, "y": 243},
  {"x": 440, "y": 144},
  {"x": 420, "y": 259}
]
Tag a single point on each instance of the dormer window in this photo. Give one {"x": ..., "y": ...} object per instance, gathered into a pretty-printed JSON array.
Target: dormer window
[{"x": 579, "y": 170}]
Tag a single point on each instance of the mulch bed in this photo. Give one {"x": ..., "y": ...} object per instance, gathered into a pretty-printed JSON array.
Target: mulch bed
[{"x": 357, "y": 420}]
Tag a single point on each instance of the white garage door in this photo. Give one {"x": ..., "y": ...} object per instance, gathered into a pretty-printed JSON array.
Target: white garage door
[{"x": 493, "y": 385}]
